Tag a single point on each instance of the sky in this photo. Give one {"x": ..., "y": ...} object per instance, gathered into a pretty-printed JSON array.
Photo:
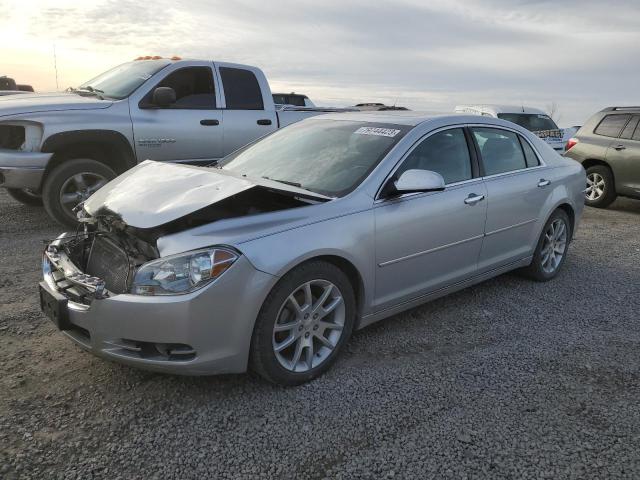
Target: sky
[{"x": 578, "y": 55}]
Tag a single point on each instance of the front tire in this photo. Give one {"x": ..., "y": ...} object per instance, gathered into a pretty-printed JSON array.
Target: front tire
[
  {"x": 303, "y": 324},
  {"x": 72, "y": 182},
  {"x": 25, "y": 196},
  {"x": 551, "y": 251},
  {"x": 601, "y": 189}
]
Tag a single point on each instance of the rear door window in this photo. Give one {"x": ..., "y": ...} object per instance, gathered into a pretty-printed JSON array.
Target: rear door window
[
  {"x": 612, "y": 125},
  {"x": 241, "y": 89},
  {"x": 627, "y": 133},
  {"x": 500, "y": 150}
]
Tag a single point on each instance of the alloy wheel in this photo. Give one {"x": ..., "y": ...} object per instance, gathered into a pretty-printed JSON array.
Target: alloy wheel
[
  {"x": 554, "y": 246},
  {"x": 309, "y": 325},
  {"x": 80, "y": 187},
  {"x": 595, "y": 186}
]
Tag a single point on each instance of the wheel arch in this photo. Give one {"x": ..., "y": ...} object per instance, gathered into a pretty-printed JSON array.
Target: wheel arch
[
  {"x": 106, "y": 146},
  {"x": 346, "y": 266},
  {"x": 592, "y": 162}
]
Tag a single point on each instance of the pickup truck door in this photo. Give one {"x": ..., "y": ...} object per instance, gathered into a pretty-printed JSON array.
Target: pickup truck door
[
  {"x": 191, "y": 129},
  {"x": 249, "y": 112}
]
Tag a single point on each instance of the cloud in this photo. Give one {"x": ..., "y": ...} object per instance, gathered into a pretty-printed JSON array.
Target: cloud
[{"x": 429, "y": 55}]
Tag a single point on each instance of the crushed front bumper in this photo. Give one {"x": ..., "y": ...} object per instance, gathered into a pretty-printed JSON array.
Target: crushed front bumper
[
  {"x": 22, "y": 169},
  {"x": 204, "y": 332}
]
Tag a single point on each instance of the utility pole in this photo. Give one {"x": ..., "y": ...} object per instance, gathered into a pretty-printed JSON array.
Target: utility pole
[{"x": 55, "y": 65}]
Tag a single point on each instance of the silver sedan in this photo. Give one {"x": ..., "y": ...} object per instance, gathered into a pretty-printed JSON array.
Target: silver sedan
[{"x": 270, "y": 259}]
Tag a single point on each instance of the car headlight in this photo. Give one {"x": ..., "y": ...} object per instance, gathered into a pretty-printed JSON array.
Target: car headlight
[{"x": 182, "y": 273}]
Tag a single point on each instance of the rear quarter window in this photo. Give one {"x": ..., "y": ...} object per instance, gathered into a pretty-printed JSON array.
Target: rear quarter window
[{"x": 611, "y": 125}]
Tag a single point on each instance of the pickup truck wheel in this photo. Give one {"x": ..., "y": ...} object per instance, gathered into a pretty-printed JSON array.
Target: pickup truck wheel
[
  {"x": 71, "y": 183},
  {"x": 25, "y": 196}
]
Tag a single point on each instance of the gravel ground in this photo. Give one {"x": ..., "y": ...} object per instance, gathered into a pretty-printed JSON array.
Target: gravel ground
[{"x": 508, "y": 379}]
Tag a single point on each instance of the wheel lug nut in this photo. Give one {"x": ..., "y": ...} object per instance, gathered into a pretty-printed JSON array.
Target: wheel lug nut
[
  {"x": 315, "y": 316},
  {"x": 306, "y": 315},
  {"x": 306, "y": 335},
  {"x": 300, "y": 327},
  {"x": 315, "y": 327}
]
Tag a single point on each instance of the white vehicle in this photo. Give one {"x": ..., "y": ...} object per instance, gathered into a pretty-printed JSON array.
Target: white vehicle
[
  {"x": 293, "y": 99},
  {"x": 533, "y": 119}
]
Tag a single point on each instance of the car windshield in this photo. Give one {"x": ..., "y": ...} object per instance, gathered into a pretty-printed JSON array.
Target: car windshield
[
  {"x": 123, "y": 80},
  {"x": 331, "y": 157},
  {"x": 531, "y": 121}
]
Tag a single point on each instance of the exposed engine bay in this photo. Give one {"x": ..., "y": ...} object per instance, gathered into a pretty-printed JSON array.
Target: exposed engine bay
[{"x": 106, "y": 250}]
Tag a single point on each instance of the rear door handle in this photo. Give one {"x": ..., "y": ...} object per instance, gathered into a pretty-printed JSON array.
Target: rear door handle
[
  {"x": 264, "y": 121},
  {"x": 472, "y": 199},
  {"x": 619, "y": 147},
  {"x": 543, "y": 183},
  {"x": 207, "y": 122}
]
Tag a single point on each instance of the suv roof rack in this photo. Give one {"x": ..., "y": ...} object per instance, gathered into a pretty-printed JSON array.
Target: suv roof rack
[{"x": 614, "y": 109}]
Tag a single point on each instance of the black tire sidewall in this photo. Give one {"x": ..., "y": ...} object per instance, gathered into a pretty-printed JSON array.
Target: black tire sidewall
[
  {"x": 56, "y": 178},
  {"x": 609, "y": 187},
  {"x": 262, "y": 358},
  {"x": 536, "y": 270},
  {"x": 25, "y": 197}
]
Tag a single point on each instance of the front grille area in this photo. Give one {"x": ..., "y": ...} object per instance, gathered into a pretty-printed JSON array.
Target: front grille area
[{"x": 110, "y": 263}]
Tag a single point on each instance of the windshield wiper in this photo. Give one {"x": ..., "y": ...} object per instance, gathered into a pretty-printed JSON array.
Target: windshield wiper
[{"x": 286, "y": 182}]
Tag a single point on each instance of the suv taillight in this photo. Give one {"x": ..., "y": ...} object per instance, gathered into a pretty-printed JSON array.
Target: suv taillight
[{"x": 570, "y": 144}]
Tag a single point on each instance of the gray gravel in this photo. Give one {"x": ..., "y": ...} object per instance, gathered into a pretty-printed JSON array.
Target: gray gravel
[{"x": 508, "y": 379}]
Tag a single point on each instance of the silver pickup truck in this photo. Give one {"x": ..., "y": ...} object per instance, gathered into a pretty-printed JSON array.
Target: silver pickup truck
[{"x": 57, "y": 149}]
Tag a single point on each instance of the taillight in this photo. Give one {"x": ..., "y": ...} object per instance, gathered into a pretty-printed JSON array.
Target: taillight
[{"x": 570, "y": 144}]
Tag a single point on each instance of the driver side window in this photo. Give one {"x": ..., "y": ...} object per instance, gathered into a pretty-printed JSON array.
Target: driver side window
[
  {"x": 193, "y": 86},
  {"x": 446, "y": 153}
]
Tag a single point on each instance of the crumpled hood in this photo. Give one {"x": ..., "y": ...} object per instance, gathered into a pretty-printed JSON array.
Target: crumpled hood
[
  {"x": 48, "y": 102},
  {"x": 155, "y": 193}
]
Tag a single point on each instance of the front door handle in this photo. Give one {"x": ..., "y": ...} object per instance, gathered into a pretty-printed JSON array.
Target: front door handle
[
  {"x": 264, "y": 121},
  {"x": 208, "y": 122},
  {"x": 543, "y": 183},
  {"x": 472, "y": 199},
  {"x": 619, "y": 147}
]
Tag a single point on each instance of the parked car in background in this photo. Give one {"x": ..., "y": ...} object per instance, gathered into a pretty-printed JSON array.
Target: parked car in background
[
  {"x": 608, "y": 147},
  {"x": 293, "y": 99},
  {"x": 379, "y": 107},
  {"x": 8, "y": 84},
  {"x": 532, "y": 119},
  {"x": 271, "y": 259},
  {"x": 65, "y": 146}
]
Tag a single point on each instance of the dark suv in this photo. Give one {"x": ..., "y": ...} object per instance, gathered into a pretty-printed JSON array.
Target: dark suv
[{"x": 608, "y": 146}]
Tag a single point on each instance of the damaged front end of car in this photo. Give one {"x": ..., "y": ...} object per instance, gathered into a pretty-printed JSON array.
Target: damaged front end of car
[{"x": 115, "y": 248}]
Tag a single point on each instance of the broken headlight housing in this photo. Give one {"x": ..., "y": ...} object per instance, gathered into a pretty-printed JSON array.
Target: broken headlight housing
[{"x": 182, "y": 273}]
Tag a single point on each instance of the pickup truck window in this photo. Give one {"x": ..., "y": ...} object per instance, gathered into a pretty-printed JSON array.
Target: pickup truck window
[
  {"x": 193, "y": 86},
  {"x": 123, "y": 80},
  {"x": 331, "y": 157},
  {"x": 241, "y": 89}
]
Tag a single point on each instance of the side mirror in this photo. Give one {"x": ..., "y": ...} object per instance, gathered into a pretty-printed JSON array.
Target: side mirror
[
  {"x": 413, "y": 181},
  {"x": 164, "y": 97}
]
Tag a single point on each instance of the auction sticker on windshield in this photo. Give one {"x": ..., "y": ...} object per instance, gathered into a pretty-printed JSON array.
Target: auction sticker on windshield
[{"x": 380, "y": 132}]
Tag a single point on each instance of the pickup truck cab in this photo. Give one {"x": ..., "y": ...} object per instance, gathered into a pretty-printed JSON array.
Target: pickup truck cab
[
  {"x": 60, "y": 148},
  {"x": 533, "y": 119}
]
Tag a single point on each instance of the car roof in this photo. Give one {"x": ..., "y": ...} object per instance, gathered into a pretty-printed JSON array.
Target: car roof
[
  {"x": 413, "y": 118},
  {"x": 495, "y": 109}
]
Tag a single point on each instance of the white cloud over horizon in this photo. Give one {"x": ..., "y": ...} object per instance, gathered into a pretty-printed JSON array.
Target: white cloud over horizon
[{"x": 423, "y": 55}]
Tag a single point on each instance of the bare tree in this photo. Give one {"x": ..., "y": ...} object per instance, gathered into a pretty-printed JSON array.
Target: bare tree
[{"x": 553, "y": 111}]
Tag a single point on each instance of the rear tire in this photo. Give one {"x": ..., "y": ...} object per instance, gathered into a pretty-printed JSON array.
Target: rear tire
[
  {"x": 312, "y": 344},
  {"x": 70, "y": 183},
  {"x": 601, "y": 188},
  {"x": 552, "y": 248},
  {"x": 25, "y": 196}
]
